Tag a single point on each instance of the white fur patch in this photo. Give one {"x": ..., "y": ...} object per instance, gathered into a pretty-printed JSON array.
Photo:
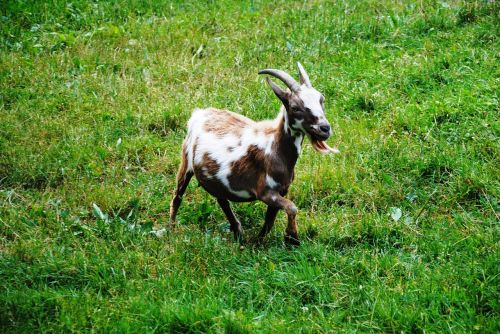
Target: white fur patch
[
  {"x": 241, "y": 193},
  {"x": 205, "y": 173},
  {"x": 311, "y": 98},
  {"x": 297, "y": 124},
  {"x": 298, "y": 143},
  {"x": 270, "y": 182}
]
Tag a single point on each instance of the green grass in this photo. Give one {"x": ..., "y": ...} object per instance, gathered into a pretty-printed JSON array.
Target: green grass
[{"x": 94, "y": 98}]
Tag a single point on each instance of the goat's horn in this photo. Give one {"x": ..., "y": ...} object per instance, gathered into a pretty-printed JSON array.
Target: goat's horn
[
  {"x": 283, "y": 76},
  {"x": 304, "y": 78}
]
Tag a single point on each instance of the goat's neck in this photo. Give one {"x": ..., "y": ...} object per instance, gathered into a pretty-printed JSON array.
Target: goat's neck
[{"x": 288, "y": 141}]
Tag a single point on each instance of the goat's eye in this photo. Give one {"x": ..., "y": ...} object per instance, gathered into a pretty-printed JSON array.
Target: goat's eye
[{"x": 297, "y": 111}]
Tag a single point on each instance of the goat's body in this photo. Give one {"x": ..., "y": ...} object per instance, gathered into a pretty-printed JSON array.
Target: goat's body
[
  {"x": 234, "y": 157},
  {"x": 237, "y": 159}
]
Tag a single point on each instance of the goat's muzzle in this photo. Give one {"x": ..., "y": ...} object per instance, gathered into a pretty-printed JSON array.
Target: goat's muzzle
[{"x": 320, "y": 131}]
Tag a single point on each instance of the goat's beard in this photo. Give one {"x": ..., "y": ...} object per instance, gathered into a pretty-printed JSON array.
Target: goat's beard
[{"x": 322, "y": 147}]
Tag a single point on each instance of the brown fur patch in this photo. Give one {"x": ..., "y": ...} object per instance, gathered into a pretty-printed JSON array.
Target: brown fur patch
[
  {"x": 206, "y": 175},
  {"x": 210, "y": 164},
  {"x": 216, "y": 188},
  {"x": 223, "y": 122},
  {"x": 269, "y": 131},
  {"x": 249, "y": 172},
  {"x": 282, "y": 162}
]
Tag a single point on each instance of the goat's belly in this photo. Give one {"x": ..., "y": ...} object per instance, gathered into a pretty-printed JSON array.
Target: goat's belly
[{"x": 216, "y": 188}]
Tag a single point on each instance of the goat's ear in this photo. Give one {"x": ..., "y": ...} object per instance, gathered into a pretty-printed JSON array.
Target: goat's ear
[
  {"x": 283, "y": 95},
  {"x": 304, "y": 78}
]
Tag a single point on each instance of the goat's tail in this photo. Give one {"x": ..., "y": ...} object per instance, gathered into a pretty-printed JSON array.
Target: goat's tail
[{"x": 189, "y": 141}]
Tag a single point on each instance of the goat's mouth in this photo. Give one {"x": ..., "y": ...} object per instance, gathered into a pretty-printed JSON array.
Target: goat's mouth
[
  {"x": 322, "y": 147},
  {"x": 319, "y": 144}
]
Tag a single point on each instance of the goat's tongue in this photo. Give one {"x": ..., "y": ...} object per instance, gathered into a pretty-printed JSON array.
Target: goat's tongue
[{"x": 323, "y": 147}]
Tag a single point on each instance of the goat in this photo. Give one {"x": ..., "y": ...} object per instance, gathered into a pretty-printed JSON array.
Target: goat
[{"x": 237, "y": 159}]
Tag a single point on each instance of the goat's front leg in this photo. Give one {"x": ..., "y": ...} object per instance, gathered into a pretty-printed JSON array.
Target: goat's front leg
[{"x": 275, "y": 200}]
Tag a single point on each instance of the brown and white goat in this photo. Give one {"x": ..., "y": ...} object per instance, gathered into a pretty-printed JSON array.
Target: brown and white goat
[{"x": 237, "y": 159}]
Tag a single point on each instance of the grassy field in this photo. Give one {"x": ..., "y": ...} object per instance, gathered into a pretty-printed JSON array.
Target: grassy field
[{"x": 400, "y": 232}]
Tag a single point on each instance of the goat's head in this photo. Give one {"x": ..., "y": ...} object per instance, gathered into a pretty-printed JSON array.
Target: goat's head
[{"x": 304, "y": 106}]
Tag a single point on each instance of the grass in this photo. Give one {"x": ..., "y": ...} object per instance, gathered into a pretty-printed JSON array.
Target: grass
[{"x": 94, "y": 98}]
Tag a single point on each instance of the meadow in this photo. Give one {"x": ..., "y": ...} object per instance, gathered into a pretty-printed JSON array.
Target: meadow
[{"x": 400, "y": 232}]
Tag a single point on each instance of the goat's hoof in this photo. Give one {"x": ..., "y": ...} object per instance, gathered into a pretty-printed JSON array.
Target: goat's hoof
[
  {"x": 259, "y": 240},
  {"x": 238, "y": 232},
  {"x": 292, "y": 240},
  {"x": 238, "y": 236}
]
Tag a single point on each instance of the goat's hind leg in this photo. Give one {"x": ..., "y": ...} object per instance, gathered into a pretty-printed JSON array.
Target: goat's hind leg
[
  {"x": 183, "y": 177},
  {"x": 233, "y": 221}
]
